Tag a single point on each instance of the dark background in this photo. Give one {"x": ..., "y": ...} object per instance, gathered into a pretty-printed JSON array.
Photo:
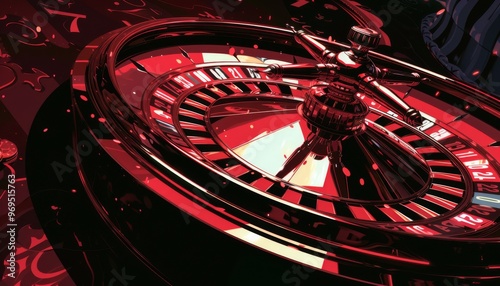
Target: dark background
[{"x": 40, "y": 40}]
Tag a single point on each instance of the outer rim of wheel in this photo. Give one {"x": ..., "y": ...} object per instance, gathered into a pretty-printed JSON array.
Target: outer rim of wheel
[{"x": 115, "y": 43}]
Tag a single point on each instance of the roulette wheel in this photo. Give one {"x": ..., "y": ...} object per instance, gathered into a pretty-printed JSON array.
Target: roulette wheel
[{"x": 329, "y": 158}]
